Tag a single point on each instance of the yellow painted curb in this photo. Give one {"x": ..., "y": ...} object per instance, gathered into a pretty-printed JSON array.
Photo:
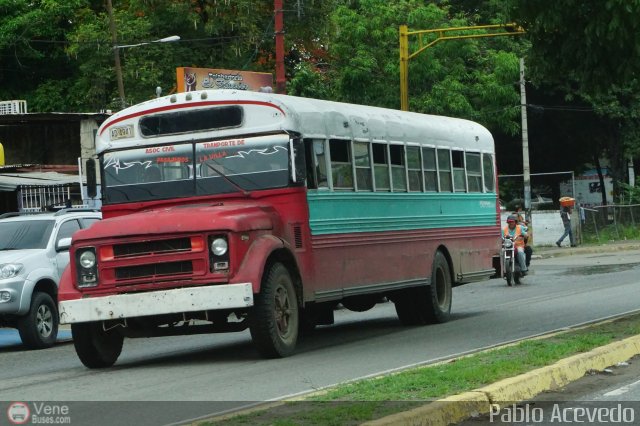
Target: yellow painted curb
[
  {"x": 442, "y": 412},
  {"x": 525, "y": 386}
]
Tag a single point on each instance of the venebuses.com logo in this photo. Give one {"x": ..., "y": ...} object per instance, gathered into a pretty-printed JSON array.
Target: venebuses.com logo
[{"x": 18, "y": 413}]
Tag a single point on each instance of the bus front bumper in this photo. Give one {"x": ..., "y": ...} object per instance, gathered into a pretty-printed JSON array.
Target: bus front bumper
[{"x": 190, "y": 299}]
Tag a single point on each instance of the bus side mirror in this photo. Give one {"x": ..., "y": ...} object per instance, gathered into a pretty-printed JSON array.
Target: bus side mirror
[
  {"x": 92, "y": 183},
  {"x": 297, "y": 160}
]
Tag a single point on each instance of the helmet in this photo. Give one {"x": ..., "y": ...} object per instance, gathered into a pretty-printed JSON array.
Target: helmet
[{"x": 512, "y": 218}]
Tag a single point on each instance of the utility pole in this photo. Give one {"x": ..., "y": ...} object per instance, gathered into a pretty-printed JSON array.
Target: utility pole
[
  {"x": 279, "y": 27},
  {"x": 525, "y": 144},
  {"x": 116, "y": 54}
]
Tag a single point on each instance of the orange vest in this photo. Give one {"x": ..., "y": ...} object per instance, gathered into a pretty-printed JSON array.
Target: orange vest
[{"x": 518, "y": 237}]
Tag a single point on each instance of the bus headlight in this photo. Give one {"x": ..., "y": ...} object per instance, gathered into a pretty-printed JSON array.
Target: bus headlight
[
  {"x": 219, "y": 246},
  {"x": 219, "y": 253},
  {"x": 87, "y": 259},
  {"x": 86, "y": 267}
]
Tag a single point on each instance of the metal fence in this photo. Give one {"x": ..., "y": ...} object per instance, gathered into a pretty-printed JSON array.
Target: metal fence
[
  {"x": 611, "y": 221},
  {"x": 36, "y": 198}
]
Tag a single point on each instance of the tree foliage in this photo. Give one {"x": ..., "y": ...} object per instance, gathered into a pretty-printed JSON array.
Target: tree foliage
[
  {"x": 582, "y": 58},
  {"x": 589, "y": 46},
  {"x": 474, "y": 79},
  {"x": 590, "y": 52}
]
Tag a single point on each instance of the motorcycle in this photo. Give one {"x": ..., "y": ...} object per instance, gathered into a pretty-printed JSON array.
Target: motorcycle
[{"x": 509, "y": 265}]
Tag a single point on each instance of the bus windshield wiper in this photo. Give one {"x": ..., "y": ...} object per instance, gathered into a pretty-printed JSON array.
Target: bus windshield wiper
[{"x": 228, "y": 179}]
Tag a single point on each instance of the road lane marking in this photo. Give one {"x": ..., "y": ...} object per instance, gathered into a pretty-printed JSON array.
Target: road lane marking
[{"x": 622, "y": 390}]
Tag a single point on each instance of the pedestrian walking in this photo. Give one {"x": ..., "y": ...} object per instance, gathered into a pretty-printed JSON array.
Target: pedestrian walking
[{"x": 565, "y": 215}]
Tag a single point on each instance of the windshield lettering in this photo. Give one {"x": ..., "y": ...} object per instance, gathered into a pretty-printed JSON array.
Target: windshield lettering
[
  {"x": 158, "y": 149},
  {"x": 192, "y": 169},
  {"x": 218, "y": 144}
]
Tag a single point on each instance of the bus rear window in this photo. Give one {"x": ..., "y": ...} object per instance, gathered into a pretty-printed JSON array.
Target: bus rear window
[{"x": 191, "y": 121}]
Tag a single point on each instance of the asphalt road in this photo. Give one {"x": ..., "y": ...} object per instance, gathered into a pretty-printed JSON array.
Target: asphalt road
[{"x": 223, "y": 371}]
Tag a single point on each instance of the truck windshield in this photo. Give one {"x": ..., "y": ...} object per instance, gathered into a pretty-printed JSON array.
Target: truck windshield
[
  {"x": 26, "y": 234},
  {"x": 193, "y": 169}
]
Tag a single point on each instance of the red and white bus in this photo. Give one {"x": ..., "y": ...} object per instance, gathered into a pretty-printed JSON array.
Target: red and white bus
[{"x": 227, "y": 210}]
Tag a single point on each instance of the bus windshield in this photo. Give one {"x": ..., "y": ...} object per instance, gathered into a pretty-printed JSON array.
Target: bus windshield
[{"x": 194, "y": 169}]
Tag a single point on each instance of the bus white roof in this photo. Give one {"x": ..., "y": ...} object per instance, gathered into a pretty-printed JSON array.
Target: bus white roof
[{"x": 313, "y": 118}]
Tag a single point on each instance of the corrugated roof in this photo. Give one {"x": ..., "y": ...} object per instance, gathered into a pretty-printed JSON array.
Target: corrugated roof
[{"x": 11, "y": 181}]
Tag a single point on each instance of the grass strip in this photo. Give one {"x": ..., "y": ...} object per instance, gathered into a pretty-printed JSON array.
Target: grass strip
[{"x": 371, "y": 399}]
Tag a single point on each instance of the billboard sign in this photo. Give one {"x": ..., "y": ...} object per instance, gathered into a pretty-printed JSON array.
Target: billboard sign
[{"x": 190, "y": 79}]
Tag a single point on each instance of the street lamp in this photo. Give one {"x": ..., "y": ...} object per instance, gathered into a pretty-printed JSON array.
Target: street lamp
[
  {"x": 162, "y": 40},
  {"x": 118, "y": 66},
  {"x": 116, "y": 51}
]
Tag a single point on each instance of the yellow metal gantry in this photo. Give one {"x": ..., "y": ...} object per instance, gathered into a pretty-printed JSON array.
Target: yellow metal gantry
[{"x": 441, "y": 34}]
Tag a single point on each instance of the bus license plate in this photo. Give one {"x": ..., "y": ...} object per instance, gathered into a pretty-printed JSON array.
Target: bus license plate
[{"x": 122, "y": 132}]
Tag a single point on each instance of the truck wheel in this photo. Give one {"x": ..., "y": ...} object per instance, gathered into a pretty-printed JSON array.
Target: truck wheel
[
  {"x": 95, "y": 347},
  {"x": 439, "y": 294},
  {"x": 275, "y": 315},
  {"x": 39, "y": 328}
]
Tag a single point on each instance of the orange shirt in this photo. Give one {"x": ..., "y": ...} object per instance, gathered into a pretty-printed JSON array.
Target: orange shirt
[{"x": 517, "y": 234}]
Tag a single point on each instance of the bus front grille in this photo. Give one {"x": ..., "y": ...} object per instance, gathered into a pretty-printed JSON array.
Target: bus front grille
[
  {"x": 175, "y": 245},
  {"x": 153, "y": 270}
]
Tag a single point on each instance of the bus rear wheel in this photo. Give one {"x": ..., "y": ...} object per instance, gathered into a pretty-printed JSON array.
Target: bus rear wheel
[
  {"x": 440, "y": 293},
  {"x": 428, "y": 304},
  {"x": 275, "y": 315},
  {"x": 96, "y": 347}
]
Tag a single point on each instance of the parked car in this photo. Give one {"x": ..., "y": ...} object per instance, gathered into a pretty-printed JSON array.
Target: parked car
[
  {"x": 538, "y": 202},
  {"x": 541, "y": 202},
  {"x": 34, "y": 251}
]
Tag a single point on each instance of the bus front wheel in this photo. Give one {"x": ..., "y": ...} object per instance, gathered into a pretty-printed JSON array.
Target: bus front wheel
[
  {"x": 96, "y": 347},
  {"x": 275, "y": 315}
]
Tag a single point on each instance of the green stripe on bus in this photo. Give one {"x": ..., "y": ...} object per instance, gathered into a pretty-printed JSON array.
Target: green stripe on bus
[{"x": 334, "y": 212}]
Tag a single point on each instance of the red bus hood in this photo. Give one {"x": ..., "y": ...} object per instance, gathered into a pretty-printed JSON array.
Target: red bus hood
[{"x": 236, "y": 217}]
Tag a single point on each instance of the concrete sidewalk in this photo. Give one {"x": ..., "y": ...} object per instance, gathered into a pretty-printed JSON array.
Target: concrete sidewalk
[{"x": 545, "y": 252}]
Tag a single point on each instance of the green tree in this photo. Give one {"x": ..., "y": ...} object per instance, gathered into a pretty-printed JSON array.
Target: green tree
[
  {"x": 474, "y": 79},
  {"x": 597, "y": 64},
  {"x": 35, "y": 66},
  {"x": 588, "y": 46}
]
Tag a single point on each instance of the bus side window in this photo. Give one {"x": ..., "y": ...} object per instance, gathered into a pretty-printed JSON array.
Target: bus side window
[
  {"x": 414, "y": 167},
  {"x": 381, "y": 167},
  {"x": 430, "y": 170},
  {"x": 363, "y": 166},
  {"x": 341, "y": 171},
  {"x": 489, "y": 178},
  {"x": 444, "y": 169},
  {"x": 474, "y": 171},
  {"x": 398, "y": 176},
  {"x": 459, "y": 181},
  {"x": 317, "y": 165}
]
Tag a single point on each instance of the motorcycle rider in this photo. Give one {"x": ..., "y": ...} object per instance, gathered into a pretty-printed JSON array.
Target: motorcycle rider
[
  {"x": 524, "y": 223},
  {"x": 517, "y": 233}
]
